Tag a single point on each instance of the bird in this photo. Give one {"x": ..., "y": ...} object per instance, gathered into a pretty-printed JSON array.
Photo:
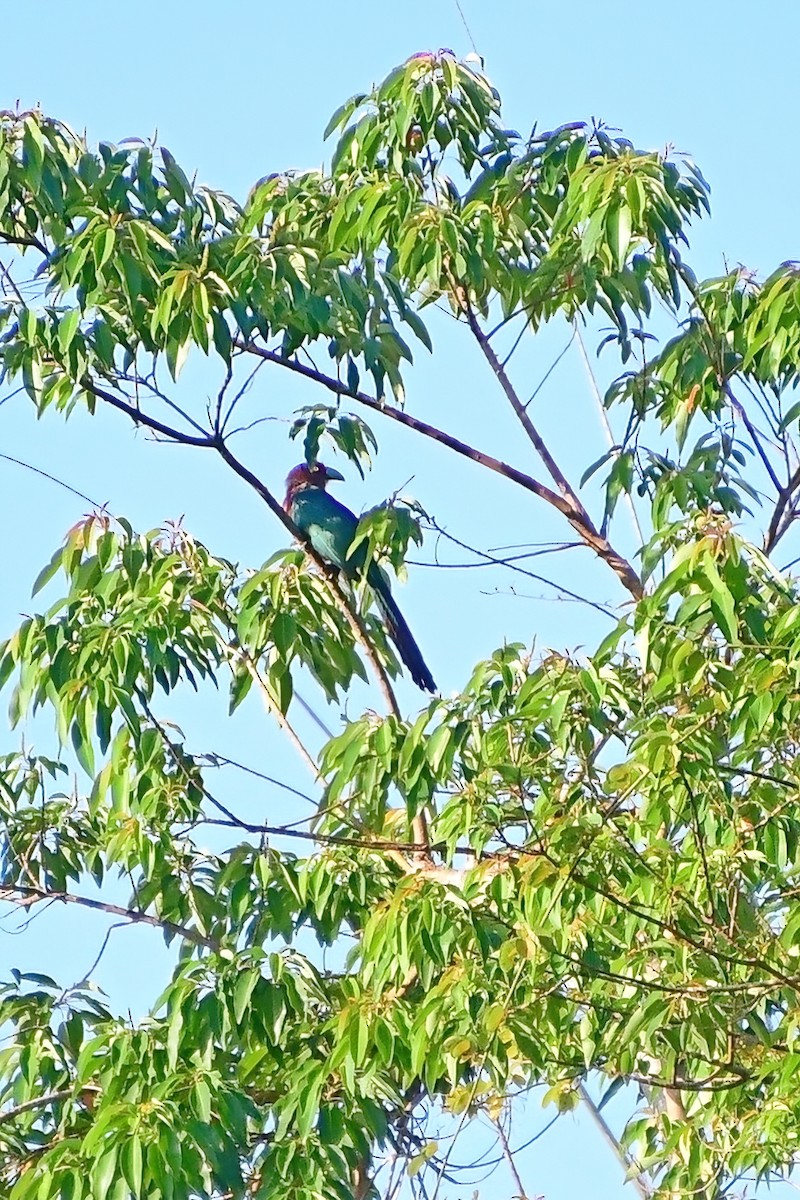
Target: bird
[{"x": 330, "y": 528}]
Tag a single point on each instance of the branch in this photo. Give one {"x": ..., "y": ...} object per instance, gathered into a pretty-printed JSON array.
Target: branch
[
  {"x": 215, "y": 442},
  {"x": 553, "y": 470},
  {"x": 377, "y": 845},
  {"x": 53, "y": 479},
  {"x": 712, "y": 1083},
  {"x": 521, "y": 1194},
  {"x": 575, "y": 512},
  {"x": 581, "y": 524},
  {"x": 675, "y": 931},
  {"x": 781, "y": 520},
  {"x": 38, "y": 1102},
  {"x": 419, "y": 849},
  {"x": 140, "y": 418},
  {"x": 24, "y": 897},
  {"x": 353, "y": 618},
  {"x": 489, "y": 560},
  {"x": 29, "y": 242},
  {"x": 740, "y": 410},
  {"x": 625, "y": 1160}
]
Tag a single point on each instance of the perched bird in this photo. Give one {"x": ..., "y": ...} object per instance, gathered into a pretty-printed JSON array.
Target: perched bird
[{"x": 331, "y": 528}]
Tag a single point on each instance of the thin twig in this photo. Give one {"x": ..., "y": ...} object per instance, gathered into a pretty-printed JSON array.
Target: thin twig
[
  {"x": 213, "y": 759},
  {"x": 53, "y": 479},
  {"x": 577, "y": 514},
  {"x": 490, "y": 559},
  {"x": 520, "y": 411},
  {"x": 601, "y": 409},
  {"x": 138, "y": 417},
  {"x": 549, "y": 372}
]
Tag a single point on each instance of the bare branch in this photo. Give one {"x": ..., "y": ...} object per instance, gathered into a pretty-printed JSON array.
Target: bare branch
[
  {"x": 781, "y": 518},
  {"x": 512, "y": 1166},
  {"x": 140, "y": 418},
  {"x": 215, "y": 442},
  {"x": 581, "y": 524},
  {"x": 377, "y": 845},
  {"x": 489, "y": 559},
  {"x": 625, "y": 1160},
  {"x": 37, "y": 1102},
  {"x": 521, "y": 412},
  {"x": 53, "y": 479},
  {"x": 221, "y": 760},
  {"x": 29, "y": 242},
  {"x": 741, "y": 412},
  {"x": 24, "y": 897}
]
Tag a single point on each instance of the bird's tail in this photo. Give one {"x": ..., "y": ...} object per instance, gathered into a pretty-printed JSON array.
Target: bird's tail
[{"x": 401, "y": 635}]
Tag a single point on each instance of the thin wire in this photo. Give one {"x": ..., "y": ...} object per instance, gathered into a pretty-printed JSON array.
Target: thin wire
[
  {"x": 221, "y": 760},
  {"x": 604, "y": 609},
  {"x": 550, "y": 370},
  {"x": 466, "y": 26},
  {"x": 53, "y": 479},
  {"x": 601, "y": 409}
]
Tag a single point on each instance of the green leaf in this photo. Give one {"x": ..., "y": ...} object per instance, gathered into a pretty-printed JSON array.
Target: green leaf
[
  {"x": 131, "y": 1160},
  {"x": 618, "y": 226},
  {"x": 722, "y": 602},
  {"x": 244, "y": 990},
  {"x": 103, "y": 1172},
  {"x": 48, "y": 572},
  {"x": 33, "y": 152}
]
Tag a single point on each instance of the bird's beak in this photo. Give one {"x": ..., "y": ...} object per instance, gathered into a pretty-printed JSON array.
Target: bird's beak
[{"x": 332, "y": 473}]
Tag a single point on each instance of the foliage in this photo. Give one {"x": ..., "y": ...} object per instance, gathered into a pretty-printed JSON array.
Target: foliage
[{"x": 580, "y": 867}]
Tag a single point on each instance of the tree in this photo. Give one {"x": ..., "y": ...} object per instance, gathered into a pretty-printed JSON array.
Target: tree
[{"x": 584, "y": 865}]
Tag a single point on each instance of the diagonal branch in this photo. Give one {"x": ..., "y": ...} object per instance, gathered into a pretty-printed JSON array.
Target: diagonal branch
[
  {"x": 29, "y": 242},
  {"x": 741, "y": 411},
  {"x": 520, "y": 411},
  {"x": 11, "y": 1114},
  {"x": 140, "y": 418},
  {"x": 23, "y": 897},
  {"x": 781, "y": 518},
  {"x": 578, "y": 519},
  {"x": 353, "y": 617},
  {"x": 625, "y": 1159},
  {"x": 214, "y": 441}
]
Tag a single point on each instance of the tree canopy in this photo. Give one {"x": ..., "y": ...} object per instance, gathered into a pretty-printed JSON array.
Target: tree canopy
[{"x": 584, "y": 865}]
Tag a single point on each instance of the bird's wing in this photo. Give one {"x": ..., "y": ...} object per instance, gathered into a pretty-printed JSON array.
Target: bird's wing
[{"x": 330, "y": 526}]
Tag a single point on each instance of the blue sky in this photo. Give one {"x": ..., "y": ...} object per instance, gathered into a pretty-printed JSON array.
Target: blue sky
[{"x": 237, "y": 92}]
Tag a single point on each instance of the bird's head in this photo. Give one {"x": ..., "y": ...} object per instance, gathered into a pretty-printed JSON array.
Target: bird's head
[{"x": 306, "y": 475}]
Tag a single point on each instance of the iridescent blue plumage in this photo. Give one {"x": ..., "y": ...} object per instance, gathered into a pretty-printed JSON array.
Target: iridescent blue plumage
[{"x": 331, "y": 527}]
